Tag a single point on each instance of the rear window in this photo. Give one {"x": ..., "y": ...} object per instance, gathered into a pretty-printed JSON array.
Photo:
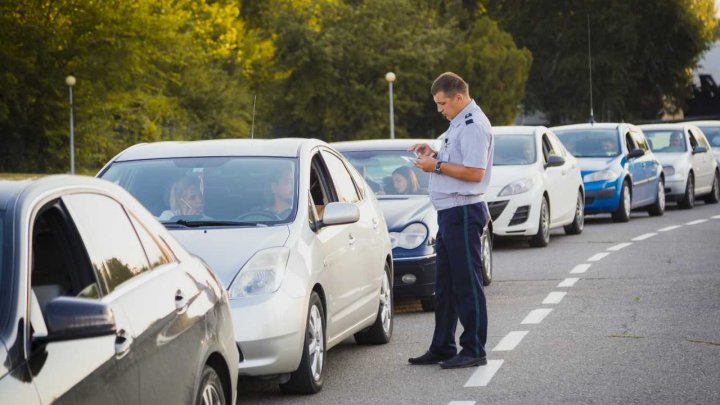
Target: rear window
[{"x": 600, "y": 142}]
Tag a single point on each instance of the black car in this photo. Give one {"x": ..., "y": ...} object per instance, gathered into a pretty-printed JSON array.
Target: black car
[
  {"x": 100, "y": 305},
  {"x": 402, "y": 191}
]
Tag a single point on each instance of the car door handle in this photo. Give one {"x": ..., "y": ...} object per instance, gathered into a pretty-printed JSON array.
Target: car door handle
[
  {"x": 181, "y": 302},
  {"x": 123, "y": 341},
  {"x": 375, "y": 223},
  {"x": 351, "y": 239}
]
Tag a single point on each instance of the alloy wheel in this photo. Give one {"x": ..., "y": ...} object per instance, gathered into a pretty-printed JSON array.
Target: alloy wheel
[
  {"x": 386, "y": 304},
  {"x": 626, "y": 199},
  {"x": 316, "y": 346}
]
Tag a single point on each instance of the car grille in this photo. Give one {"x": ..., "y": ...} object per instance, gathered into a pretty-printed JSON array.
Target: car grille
[
  {"x": 521, "y": 215},
  {"x": 496, "y": 208}
]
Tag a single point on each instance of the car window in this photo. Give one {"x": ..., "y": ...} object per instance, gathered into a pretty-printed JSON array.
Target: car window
[
  {"x": 629, "y": 142},
  {"x": 639, "y": 140},
  {"x": 693, "y": 141},
  {"x": 557, "y": 145},
  {"x": 666, "y": 140},
  {"x": 381, "y": 170},
  {"x": 547, "y": 148},
  {"x": 109, "y": 237},
  {"x": 3, "y": 248},
  {"x": 700, "y": 138},
  {"x": 157, "y": 253},
  {"x": 514, "y": 149},
  {"x": 712, "y": 134},
  {"x": 321, "y": 193},
  {"x": 590, "y": 142},
  {"x": 344, "y": 185}
]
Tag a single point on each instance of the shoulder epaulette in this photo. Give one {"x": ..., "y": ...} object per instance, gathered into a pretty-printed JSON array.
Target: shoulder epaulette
[{"x": 468, "y": 122}]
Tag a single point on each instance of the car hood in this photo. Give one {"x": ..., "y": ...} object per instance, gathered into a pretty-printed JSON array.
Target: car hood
[
  {"x": 226, "y": 250},
  {"x": 504, "y": 175},
  {"x": 402, "y": 210},
  {"x": 671, "y": 159},
  {"x": 595, "y": 164}
]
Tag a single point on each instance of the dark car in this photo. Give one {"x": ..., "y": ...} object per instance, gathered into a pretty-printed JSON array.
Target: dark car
[
  {"x": 402, "y": 191},
  {"x": 100, "y": 305}
]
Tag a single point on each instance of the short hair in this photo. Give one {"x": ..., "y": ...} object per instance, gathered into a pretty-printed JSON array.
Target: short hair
[{"x": 450, "y": 84}]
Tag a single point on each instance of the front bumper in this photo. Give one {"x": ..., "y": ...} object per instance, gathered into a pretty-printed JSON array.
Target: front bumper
[
  {"x": 675, "y": 188},
  {"x": 517, "y": 215},
  {"x": 422, "y": 269},
  {"x": 602, "y": 196}
]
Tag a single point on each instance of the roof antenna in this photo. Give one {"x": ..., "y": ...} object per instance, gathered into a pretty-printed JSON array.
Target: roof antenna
[
  {"x": 592, "y": 117},
  {"x": 252, "y": 126}
]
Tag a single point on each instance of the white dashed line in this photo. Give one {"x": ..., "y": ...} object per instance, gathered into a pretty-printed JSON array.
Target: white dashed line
[
  {"x": 597, "y": 257},
  {"x": 669, "y": 228},
  {"x": 536, "y": 316},
  {"x": 568, "y": 282},
  {"x": 619, "y": 246},
  {"x": 482, "y": 376},
  {"x": 716, "y": 217},
  {"x": 461, "y": 403},
  {"x": 644, "y": 236},
  {"x": 510, "y": 341},
  {"x": 580, "y": 268},
  {"x": 699, "y": 221},
  {"x": 554, "y": 297}
]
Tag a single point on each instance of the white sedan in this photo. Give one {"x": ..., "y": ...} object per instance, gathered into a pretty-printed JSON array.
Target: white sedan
[
  {"x": 293, "y": 232},
  {"x": 535, "y": 186},
  {"x": 688, "y": 164}
]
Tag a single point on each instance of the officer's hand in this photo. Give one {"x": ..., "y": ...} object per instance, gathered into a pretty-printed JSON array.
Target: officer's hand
[
  {"x": 422, "y": 149},
  {"x": 425, "y": 163}
]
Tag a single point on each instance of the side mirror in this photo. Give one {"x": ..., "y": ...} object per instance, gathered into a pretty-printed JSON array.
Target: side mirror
[
  {"x": 555, "y": 161},
  {"x": 636, "y": 153},
  {"x": 699, "y": 149},
  {"x": 76, "y": 318},
  {"x": 340, "y": 213}
]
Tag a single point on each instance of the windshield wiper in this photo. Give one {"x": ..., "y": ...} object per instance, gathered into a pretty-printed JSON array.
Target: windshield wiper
[{"x": 195, "y": 224}]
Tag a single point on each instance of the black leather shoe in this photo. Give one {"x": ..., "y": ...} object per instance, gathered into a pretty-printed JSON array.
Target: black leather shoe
[
  {"x": 461, "y": 361},
  {"x": 428, "y": 358}
]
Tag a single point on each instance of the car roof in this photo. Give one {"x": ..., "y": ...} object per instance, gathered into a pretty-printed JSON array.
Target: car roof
[
  {"x": 517, "y": 129},
  {"x": 587, "y": 125},
  {"x": 668, "y": 125},
  {"x": 280, "y": 147},
  {"x": 378, "y": 144},
  {"x": 715, "y": 123},
  {"x": 10, "y": 190}
]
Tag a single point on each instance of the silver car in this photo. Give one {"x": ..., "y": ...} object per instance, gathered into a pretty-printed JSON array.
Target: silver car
[
  {"x": 711, "y": 129},
  {"x": 292, "y": 230},
  {"x": 688, "y": 164},
  {"x": 100, "y": 305}
]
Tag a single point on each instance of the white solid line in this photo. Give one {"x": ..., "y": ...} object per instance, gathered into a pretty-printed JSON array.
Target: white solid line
[
  {"x": 580, "y": 268},
  {"x": 568, "y": 282},
  {"x": 554, "y": 297},
  {"x": 510, "y": 341},
  {"x": 644, "y": 236},
  {"x": 699, "y": 221},
  {"x": 482, "y": 376},
  {"x": 461, "y": 403},
  {"x": 536, "y": 316},
  {"x": 716, "y": 217},
  {"x": 669, "y": 228},
  {"x": 619, "y": 246},
  {"x": 598, "y": 256}
]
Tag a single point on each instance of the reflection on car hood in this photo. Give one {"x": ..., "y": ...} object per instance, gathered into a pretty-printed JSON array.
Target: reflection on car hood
[
  {"x": 588, "y": 165},
  {"x": 401, "y": 210},
  {"x": 504, "y": 175},
  {"x": 226, "y": 250},
  {"x": 671, "y": 159}
]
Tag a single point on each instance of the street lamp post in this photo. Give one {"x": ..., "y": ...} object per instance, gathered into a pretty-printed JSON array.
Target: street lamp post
[
  {"x": 70, "y": 81},
  {"x": 390, "y": 77}
]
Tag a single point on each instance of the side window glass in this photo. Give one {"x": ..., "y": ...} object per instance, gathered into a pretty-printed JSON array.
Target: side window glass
[
  {"x": 557, "y": 146},
  {"x": 699, "y": 138},
  {"x": 155, "y": 252},
  {"x": 630, "y": 143},
  {"x": 320, "y": 194},
  {"x": 358, "y": 180},
  {"x": 547, "y": 149},
  {"x": 640, "y": 141},
  {"x": 109, "y": 237},
  {"x": 341, "y": 178},
  {"x": 693, "y": 141}
]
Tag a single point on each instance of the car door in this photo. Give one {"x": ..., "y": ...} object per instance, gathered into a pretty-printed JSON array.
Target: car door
[
  {"x": 554, "y": 179},
  {"x": 151, "y": 289},
  {"x": 638, "y": 173},
  {"x": 651, "y": 166},
  {"x": 94, "y": 370},
  {"x": 569, "y": 184},
  {"x": 702, "y": 162}
]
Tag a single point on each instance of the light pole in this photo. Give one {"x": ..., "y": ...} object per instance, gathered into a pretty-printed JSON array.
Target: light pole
[
  {"x": 70, "y": 81},
  {"x": 390, "y": 77}
]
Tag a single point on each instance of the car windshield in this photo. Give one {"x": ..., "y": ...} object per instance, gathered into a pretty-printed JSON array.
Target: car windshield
[
  {"x": 712, "y": 133},
  {"x": 514, "y": 150},
  {"x": 666, "y": 140},
  {"x": 590, "y": 142},
  {"x": 212, "y": 191},
  {"x": 390, "y": 172}
]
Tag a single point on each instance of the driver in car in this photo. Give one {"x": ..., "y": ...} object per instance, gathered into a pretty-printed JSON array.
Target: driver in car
[{"x": 282, "y": 193}]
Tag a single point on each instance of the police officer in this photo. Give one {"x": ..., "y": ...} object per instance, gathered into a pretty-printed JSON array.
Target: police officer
[{"x": 460, "y": 174}]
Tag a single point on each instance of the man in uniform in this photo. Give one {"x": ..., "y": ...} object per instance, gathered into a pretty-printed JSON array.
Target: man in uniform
[{"x": 460, "y": 174}]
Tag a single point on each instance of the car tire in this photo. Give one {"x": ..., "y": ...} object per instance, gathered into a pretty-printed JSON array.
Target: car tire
[
  {"x": 578, "y": 223},
  {"x": 210, "y": 391},
  {"x": 714, "y": 196},
  {"x": 622, "y": 213},
  {"x": 658, "y": 207},
  {"x": 428, "y": 304},
  {"x": 688, "y": 200},
  {"x": 542, "y": 237},
  {"x": 381, "y": 331},
  {"x": 486, "y": 243},
  {"x": 308, "y": 378}
]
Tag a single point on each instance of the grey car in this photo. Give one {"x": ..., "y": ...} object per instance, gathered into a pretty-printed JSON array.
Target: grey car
[{"x": 100, "y": 305}]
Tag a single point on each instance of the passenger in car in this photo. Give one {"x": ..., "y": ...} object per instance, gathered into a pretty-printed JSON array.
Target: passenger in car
[
  {"x": 281, "y": 189},
  {"x": 186, "y": 198},
  {"x": 405, "y": 181}
]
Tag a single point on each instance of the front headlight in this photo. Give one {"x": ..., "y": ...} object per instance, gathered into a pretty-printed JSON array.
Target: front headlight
[
  {"x": 409, "y": 238},
  {"x": 668, "y": 170},
  {"x": 262, "y": 274},
  {"x": 517, "y": 187},
  {"x": 606, "y": 175}
]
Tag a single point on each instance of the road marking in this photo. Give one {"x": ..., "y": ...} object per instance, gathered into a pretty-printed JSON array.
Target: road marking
[
  {"x": 619, "y": 246},
  {"x": 716, "y": 217},
  {"x": 482, "y": 376},
  {"x": 644, "y": 236},
  {"x": 598, "y": 256},
  {"x": 510, "y": 341},
  {"x": 536, "y": 316},
  {"x": 461, "y": 403},
  {"x": 568, "y": 282},
  {"x": 554, "y": 297},
  {"x": 699, "y": 221},
  {"x": 669, "y": 228},
  {"x": 580, "y": 268}
]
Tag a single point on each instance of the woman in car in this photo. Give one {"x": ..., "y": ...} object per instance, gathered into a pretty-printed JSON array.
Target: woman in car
[
  {"x": 405, "y": 181},
  {"x": 186, "y": 198}
]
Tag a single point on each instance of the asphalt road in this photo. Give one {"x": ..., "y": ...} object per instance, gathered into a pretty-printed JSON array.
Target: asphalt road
[{"x": 641, "y": 324}]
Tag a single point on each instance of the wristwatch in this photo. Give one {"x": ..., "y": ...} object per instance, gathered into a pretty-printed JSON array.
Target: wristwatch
[{"x": 437, "y": 167}]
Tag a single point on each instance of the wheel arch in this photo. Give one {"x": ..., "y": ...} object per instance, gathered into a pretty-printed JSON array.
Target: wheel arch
[{"x": 218, "y": 363}]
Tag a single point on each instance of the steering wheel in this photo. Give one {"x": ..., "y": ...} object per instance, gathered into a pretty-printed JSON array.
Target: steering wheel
[{"x": 257, "y": 215}]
